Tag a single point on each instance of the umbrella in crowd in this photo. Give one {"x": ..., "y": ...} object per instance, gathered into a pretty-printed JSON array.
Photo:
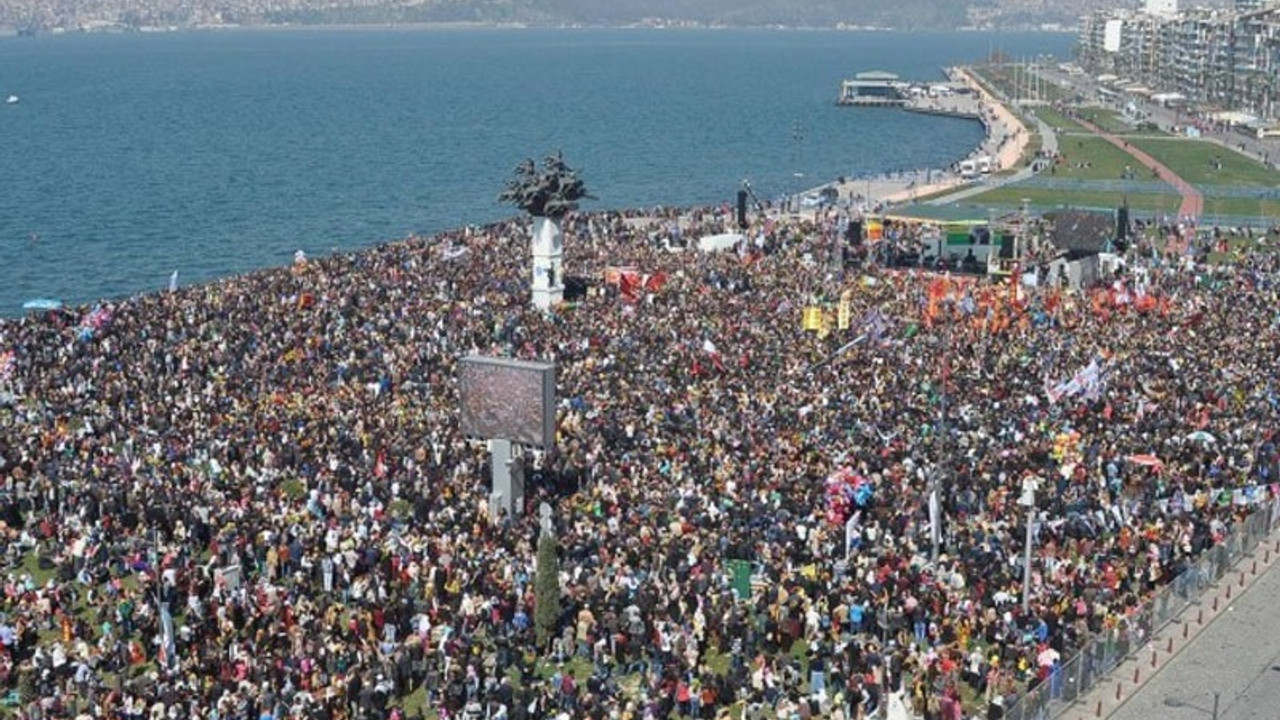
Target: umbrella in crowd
[{"x": 1145, "y": 460}]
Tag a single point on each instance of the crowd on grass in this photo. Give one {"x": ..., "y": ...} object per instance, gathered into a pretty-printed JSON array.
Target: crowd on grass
[{"x": 275, "y": 460}]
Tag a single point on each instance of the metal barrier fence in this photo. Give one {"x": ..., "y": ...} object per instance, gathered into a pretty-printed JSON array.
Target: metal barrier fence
[
  {"x": 1206, "y": 219},
  {"x": 1146, "y": 187},
  {"x": 1102, "y": 653}
]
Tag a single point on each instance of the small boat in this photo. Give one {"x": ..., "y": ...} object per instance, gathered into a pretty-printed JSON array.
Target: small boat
[{"x": 11, "y": 100}]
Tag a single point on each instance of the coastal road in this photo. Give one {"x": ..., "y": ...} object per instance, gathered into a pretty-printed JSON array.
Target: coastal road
[{"x": 1238, "y": 656}]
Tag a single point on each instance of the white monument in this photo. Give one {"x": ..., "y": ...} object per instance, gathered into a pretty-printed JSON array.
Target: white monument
[{"x": 548, "y": 271}]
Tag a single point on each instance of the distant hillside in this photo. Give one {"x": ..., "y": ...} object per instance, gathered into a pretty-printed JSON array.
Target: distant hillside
[
  {"x": 904, "y": 14},
  {"x": 733, "y": 13},
  {"x": 931, "y": 13}
]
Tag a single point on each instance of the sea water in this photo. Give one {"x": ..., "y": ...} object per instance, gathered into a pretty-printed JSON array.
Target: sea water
[{"x": 130, "y": 157}]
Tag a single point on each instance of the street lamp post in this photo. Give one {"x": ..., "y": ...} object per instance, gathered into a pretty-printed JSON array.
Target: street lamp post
[
  {"x": 940, "y": 448},
  {"x": 1028, "y": 500},
  {"x": 797, "y": 159}
]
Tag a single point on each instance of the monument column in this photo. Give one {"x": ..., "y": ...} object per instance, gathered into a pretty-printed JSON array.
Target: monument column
[{"x": 548, "y": 251}]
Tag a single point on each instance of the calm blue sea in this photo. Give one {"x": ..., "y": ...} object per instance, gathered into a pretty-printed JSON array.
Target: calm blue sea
[{"x": 131, "y": 156}]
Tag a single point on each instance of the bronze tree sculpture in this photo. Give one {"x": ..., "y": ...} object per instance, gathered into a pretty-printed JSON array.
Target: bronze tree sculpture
[{"x": 551, "y": 192}]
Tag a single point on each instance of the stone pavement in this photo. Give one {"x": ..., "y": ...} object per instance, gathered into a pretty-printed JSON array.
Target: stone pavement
[{"x": 1175, "y": 675}]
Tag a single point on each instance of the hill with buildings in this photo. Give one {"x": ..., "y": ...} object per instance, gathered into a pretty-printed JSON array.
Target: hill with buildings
[{"x": 49, "y": 15}]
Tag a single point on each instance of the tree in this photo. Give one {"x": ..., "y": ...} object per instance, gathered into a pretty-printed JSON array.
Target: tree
[
  {"x": 546, "y": 589},
  {"x": 551, "y": 192},
  {"x": 27, "y": 690}
]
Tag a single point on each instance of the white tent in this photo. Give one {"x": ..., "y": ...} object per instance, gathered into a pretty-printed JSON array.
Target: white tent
[{"x": 717, "y": 243}]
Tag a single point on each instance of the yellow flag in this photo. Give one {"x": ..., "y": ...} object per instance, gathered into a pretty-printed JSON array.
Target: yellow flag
[{"x": 812, "y": 318}]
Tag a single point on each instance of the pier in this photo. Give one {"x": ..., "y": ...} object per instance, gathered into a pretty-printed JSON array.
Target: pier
[
  {"x": 884, "y": 89},
  {"x": 958, "y": 106},
  {"x": 873, "y": 88}
]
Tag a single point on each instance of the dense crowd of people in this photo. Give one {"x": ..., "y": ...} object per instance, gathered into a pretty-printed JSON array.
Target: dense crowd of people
[{"x": 251, "y": 499}]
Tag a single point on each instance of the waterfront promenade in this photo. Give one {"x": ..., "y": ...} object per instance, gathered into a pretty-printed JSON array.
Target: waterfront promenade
[{"x": 1005, "y": 141}]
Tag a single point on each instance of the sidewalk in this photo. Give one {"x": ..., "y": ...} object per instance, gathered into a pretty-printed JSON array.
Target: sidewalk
[{"x": 1131, "y": 679}]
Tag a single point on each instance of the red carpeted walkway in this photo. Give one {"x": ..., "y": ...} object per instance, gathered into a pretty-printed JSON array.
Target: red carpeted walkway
[{"x": 1192, "y": 200}]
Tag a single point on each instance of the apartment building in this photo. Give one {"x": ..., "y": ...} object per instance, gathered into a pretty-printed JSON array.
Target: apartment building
[{"x": 1223, "y": 57}]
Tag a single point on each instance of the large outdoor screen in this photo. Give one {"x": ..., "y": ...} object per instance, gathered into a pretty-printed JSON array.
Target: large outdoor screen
[{"x": 508, "y": 399}]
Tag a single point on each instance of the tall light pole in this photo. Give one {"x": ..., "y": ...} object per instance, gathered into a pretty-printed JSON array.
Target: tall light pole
[
  {"x": 1028, "y": 500},
  {"x": 939, "y": 446},
  {"x": 797, "y": 160}
]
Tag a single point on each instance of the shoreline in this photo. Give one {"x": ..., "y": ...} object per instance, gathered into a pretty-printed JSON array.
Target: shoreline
[
  {"x": 108, "y": 28},
  {"x": 1005, "y": 138}
]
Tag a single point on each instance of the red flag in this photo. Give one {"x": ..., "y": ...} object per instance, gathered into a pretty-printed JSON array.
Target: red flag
[
  {"x": 629, "y": 285},
  {"x": 653, "y": 283},
  {"x": 380, "y": 466}
]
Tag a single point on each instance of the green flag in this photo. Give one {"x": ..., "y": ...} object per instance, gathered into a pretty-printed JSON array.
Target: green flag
[{"x": 740, "y": 578}]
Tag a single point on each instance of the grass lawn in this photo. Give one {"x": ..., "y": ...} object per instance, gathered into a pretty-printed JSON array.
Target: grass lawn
[
  {"x": 1045, "y": 199},
  {"x": 1242, "y": 207},
  {"x": 1105, "y": 161},
  {"x": 1194, "y": 161},
  {"x": 1058, "y": 121},
  {"x": 1031, "y": 150},
  {"x": 1113, "y": 122},
  {"x": 1108, "y": 120},
  {"x": 938, "y": 194}
]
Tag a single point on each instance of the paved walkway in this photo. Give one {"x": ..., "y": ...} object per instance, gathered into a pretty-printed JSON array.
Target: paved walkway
[
  {"x": 1236, "y": 658},
  {"x": 1175, "y": 675},
  {"x": 1192, "y": 200},
  {"x": 1006, "y": 137},
  {"x": 1048, "y": 142}
]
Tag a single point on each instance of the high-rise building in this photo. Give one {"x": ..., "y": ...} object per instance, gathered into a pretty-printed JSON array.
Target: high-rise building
[{"x": 1221, "y": 58}]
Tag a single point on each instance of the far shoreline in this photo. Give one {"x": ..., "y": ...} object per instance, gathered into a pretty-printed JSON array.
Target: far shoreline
[{"x": 465, "y": 26}]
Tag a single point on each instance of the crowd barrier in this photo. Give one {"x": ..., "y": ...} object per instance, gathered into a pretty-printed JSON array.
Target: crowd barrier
[{"x": 1102, "y": 653}]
